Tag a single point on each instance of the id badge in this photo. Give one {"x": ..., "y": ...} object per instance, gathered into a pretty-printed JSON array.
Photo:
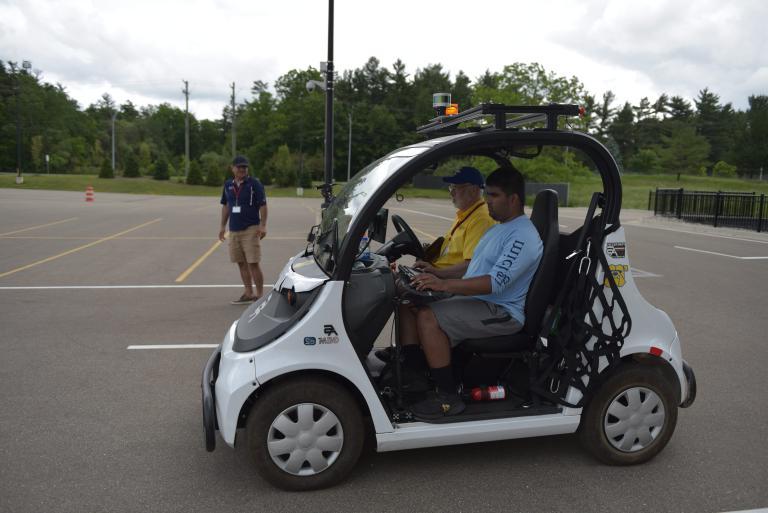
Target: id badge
[{"x": 235, "y": 210}]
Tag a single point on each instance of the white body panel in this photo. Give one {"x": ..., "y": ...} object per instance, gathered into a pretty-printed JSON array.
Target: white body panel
[
  {"x": 651, "y": 327},
  {"x": 415, "y": 435},
  {"x": 236, "y": 381},
  {"x": 240, "y": 374}
]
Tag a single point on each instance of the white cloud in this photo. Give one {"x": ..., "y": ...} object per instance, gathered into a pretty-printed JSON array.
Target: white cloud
[{"x": 141, "y": 50}]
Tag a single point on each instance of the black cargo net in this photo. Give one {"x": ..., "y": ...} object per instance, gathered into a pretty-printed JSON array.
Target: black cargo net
[{"x": 585, "y": 328}]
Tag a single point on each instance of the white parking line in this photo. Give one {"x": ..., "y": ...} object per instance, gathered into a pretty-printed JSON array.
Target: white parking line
[
  {"x": 86, "y": 287},
  {"x": 639, "y": 273},
  {"x": 174, "y": 346},
  {"x": 717, "y": 236},
  {"x": 722, "y": 254},
  {"x": 424, "y": 213}
]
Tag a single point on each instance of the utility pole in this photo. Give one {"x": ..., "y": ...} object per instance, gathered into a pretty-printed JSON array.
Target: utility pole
[
  {"x": 234, "y": 133},
  {"x": 186, "y": 129},
  {"x": 114, "y": 115},
  {"x": 17, "y": 91}
]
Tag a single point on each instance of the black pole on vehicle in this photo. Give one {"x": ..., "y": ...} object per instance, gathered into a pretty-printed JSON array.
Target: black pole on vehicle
[{"x": 327, "y": 189}]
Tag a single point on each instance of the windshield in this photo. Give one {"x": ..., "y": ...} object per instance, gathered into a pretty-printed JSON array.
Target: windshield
[{"x": 352, "y": 198}]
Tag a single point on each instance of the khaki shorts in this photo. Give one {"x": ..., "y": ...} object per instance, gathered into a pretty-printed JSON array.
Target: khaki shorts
[{"x": 245, "y": 245}]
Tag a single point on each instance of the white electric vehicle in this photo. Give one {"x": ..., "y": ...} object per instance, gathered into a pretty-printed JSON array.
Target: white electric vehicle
[{"x": 297, "y": 370}]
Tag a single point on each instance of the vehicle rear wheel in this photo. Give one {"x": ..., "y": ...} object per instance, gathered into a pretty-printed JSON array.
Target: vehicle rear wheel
[
  {"x": 305, "y": 433},
  {"x": 631, "y": 417}
]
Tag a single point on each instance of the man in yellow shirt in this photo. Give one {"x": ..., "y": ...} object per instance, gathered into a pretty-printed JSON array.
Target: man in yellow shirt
[{"x": 472, "y": 221}]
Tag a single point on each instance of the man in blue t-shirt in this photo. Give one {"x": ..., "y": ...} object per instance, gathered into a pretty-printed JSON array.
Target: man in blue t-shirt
[
  {"x": 489, "y": 300},
  {"x": 244, "y": 204}
]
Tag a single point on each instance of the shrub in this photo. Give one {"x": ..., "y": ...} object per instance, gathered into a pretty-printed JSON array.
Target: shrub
[
  {"x": 161, "y": 170},
  {"x": 724, "y": 169},
  {"x": 106, "y": 169},
  {"x": 195, "y": 176},
  {"x": 131, "y": 166}
]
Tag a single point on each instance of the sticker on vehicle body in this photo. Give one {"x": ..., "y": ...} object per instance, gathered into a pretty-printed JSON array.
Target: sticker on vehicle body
[
  {"x": 619, "y": 275},
  {"x": 331, "y": 337},
  {"x": 310, "y": 341},
  {"x": 616, "y": 249}
]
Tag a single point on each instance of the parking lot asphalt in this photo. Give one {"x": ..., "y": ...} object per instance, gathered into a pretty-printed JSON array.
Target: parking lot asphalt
[{"x": 87, "y": 424}]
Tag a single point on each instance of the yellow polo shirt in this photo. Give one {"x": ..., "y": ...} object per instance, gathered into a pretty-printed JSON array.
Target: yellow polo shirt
[{"x": 460, "y": 243}]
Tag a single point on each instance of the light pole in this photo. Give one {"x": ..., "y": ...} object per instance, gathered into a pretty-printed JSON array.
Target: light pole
[
  {"x": 349, "y": 148},
  {"x": 26, "y": 65},
  {"x": 327, "y": 189},
  {"x": 114, "y": 116}
]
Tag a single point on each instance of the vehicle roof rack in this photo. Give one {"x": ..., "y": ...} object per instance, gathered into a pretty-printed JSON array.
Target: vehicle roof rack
[{"x": 528, "y": 114}]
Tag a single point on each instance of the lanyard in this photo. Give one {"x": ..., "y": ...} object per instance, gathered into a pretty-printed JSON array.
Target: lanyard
[
  {"x": 464, "y": 219},
  {"x": 237, "y": 191}
]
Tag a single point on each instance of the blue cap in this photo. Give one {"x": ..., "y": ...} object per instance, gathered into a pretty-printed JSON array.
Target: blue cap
[
  {"x": 240, "y": 161},
  {"x": 466, "y": 174}
]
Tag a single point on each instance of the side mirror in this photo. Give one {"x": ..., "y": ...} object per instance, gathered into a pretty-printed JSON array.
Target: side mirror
[{"x": 377, "y": 230}]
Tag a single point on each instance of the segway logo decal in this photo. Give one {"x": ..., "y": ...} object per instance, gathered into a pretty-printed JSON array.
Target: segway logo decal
[
  {"x": 310, "y": 341},
  {"x": 618, "y": 272},
  {"x": 331, "y": 337},
  {"x": 616, "y": 249},
  {"x": 258, "y": 309}
]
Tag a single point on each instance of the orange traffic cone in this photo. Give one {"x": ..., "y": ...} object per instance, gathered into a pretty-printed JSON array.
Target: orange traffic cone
[{"x": 89, "y": 193}]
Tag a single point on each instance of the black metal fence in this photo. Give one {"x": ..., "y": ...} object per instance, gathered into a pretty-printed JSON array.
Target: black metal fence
[{"x": 732, "y": 209}]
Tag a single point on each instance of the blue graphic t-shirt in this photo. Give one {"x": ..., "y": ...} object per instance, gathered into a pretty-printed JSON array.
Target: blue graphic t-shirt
[{"x": 509, "y": 253}]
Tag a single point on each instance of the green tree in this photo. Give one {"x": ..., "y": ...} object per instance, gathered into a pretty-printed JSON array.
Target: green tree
[
  {"x": 131, "y": 169},
  {"x": 646, "y": 160},
  {"x": 684, "y": 151},
  {"x": 283, "y": 165},
  {"x": 105, "y": 171},
  {"x": 161, "y": 170},
  {"x": 679, "y": 109},
  {"x": 724, "y": 169},
  {"x": 622, "y": 131},
  {"x": 195, "y": 176},
  {"x": 36, "y": 150},
  {"x": 213, "y": 166}
]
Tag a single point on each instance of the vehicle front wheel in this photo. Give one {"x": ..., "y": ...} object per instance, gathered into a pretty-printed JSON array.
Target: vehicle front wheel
[
  {"x": 305, "y": 433},
  {"x": 631, "y": 417}
]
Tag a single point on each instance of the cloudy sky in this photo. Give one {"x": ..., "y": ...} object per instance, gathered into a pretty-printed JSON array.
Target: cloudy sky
[{"x": 142, "y": 49}]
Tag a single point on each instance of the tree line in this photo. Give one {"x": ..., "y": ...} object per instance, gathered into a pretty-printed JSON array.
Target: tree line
[{"x": 281, "y": 129}]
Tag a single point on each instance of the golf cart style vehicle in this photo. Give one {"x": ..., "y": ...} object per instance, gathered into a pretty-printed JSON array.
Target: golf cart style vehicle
[{"x": 298, "y": 372}]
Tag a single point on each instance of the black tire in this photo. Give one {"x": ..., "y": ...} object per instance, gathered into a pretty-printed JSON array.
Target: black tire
[
  {"x": 647, "y": 392},
  {"x": 283, "y": 403}
]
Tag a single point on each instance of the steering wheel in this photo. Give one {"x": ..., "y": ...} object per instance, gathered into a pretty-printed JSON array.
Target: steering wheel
[{"x": 407, "y": 237}]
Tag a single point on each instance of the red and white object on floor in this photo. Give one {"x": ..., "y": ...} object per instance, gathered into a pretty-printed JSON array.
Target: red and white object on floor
[{"x": 493, "y": 393}]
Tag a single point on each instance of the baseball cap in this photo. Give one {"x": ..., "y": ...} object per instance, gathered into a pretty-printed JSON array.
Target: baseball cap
[
  {"x": 466, "y": 174},
  {"x": 240, "y": 161}
]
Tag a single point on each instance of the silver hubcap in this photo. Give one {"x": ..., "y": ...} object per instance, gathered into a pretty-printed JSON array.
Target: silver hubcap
[
  {"x": 634, "y": 419},
  {"x": 305, "y": 439}
]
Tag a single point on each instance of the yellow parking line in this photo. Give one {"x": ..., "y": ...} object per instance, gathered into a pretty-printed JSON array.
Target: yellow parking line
[
  {"x": 79, "y": 248},
  {"x": 38, "y": 226},
  {"x": 183, "y": 276}
]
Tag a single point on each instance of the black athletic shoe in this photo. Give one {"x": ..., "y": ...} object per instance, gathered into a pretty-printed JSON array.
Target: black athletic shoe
[
  {"x": 438, "y": 405},
  {"x": 385, "y": 355}
]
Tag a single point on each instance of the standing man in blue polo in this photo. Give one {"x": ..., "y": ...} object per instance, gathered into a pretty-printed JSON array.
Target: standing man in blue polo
[{"x": 244, "y": 204}]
